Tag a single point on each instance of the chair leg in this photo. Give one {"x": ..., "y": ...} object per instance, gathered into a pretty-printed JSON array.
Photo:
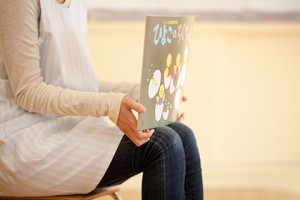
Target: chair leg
[{"x": 116, "y": 196}]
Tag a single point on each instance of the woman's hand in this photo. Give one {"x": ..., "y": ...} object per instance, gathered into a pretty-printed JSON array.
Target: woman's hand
[
  {"x": 128, "y": 123},
  {"x": 181, "y": 116}
]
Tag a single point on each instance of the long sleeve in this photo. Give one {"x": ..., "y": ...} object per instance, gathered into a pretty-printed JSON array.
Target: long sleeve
[
  {"x": 19, "y": 51},
  {"x": 129, "y": 88}
]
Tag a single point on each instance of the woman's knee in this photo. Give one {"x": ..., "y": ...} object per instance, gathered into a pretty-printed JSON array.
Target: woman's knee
[
  {"x": 186, "y": 133},
  {"x": 166, "y": 138}
]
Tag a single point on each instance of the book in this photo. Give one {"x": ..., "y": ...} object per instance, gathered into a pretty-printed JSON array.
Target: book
[{"x": 165, "y": 57}]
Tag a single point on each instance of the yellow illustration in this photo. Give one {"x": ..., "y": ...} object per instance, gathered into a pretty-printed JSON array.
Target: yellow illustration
[
  {"x": 177, "y": 69},
  {"x": 153, "y": 80},
  {"x": 167, "y": 72},
  {"x": 177, "y": 66},
  {"x": 161, "y": 95}
]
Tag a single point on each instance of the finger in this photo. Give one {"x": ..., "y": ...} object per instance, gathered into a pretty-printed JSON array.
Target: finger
[
  {"x": 147, "y": 133},
  {"x": 137, "y": 107},
  {"x": 145, "y": 137},
  {"x": 140, "y": 135},
  {"x": 181, "y": 117}
]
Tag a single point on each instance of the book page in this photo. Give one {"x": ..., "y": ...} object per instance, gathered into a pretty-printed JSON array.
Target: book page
[{"x": 165, "y": 64}]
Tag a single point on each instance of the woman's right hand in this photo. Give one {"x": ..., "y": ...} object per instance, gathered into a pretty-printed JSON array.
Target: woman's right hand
[{"x": 127, "y": 122}]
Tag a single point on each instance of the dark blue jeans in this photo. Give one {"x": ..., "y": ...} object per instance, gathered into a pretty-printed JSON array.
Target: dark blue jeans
[{"x": 170, "y": 163}]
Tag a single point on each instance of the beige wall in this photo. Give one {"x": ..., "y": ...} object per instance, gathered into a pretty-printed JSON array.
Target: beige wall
[{"x": 243, "y": 86}]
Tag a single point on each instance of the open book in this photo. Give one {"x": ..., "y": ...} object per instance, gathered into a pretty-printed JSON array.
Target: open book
[{"x": 166, "y": 50}]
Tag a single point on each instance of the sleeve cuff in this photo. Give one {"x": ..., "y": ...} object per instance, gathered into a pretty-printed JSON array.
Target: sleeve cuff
[{"x": 115, "y": 106}]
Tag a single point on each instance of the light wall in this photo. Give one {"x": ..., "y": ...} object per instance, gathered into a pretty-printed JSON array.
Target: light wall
[{"x": 243, "y": 89}]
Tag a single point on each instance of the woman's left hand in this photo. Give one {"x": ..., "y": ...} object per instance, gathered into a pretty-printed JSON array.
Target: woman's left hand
[{"x": 181, "y": 116}]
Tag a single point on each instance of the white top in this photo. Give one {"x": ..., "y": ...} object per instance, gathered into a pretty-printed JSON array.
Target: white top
[{"x": 54, "y": 134}]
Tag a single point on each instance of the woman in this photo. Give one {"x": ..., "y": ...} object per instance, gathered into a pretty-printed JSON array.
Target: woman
[{"x": 54, "y": 135}]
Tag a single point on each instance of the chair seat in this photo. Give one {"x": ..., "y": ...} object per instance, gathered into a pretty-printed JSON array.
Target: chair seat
[{"x": 98, "y": 192}]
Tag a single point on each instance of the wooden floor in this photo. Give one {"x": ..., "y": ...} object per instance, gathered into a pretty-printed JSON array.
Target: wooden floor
[{"x": 237, "y": 194}]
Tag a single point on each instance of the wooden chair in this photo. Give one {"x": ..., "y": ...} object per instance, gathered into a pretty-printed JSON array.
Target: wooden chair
[{"x": 95, "y": 194}]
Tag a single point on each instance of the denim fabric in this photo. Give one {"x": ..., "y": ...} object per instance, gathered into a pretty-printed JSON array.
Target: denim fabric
[{"x": 170, "y": 163}]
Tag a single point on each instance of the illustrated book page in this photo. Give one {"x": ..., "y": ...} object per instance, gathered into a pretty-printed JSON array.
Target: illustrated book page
[{"x": 166, "y": 50}]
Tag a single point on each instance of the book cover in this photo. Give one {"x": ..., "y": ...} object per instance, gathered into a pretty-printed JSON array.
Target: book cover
[{"x": 166, "y": 50}]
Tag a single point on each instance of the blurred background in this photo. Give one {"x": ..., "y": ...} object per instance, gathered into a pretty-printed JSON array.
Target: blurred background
[{"x": 243, "y": 87}]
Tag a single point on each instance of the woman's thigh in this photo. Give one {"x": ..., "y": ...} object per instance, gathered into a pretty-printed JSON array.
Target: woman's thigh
[
  {"x": 170, "y": 162},
  {"x": 164, "y": 147},
  {"x": 121, "y": 167}
]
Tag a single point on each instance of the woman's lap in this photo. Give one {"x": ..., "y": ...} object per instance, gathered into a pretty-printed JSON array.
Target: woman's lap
[{"x": 163, "y": 163}]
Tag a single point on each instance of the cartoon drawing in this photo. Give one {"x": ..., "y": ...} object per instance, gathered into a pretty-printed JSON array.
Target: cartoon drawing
[
  {"x": 167, "y": 109},
  {"x": 164, "y": 68},
  {"x": 166, "y": 114},
  {"x": 161, "y": 95},
  {"x": 167, "y": 73},
  {"x": 153, "y": 81},
  {"x": 160, "y": 102},
  {"x": 158, "y": 111},
  {"x": 154, "y": 84},
  {"x": 177, "y": 70}
]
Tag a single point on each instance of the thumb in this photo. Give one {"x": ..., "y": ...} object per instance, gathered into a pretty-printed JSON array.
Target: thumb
[{"x": 137, "y": 107}]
